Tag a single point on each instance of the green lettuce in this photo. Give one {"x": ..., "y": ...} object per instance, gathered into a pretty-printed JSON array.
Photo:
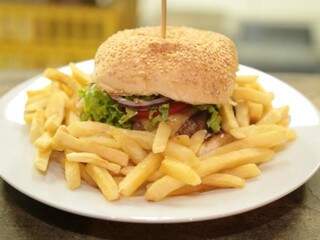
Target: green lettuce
[
  {"x": 100, "y": 107},
  {"x": 156, "y": 115},
  {"x": 129, "y": 115},
  {"x": 214, "y": 121}
]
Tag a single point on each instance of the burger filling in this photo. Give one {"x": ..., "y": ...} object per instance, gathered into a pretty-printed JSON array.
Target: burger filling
[{"x": 145, "y": 112}]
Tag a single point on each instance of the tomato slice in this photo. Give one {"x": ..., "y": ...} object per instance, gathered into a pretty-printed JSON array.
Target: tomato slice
[
  {"x": 143, "y": 113},
  {"x": 175, "y": 107}
]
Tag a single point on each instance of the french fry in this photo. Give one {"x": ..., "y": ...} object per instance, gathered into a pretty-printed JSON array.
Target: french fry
[
  {"x": 251, "y": 130},
  {"x": 285, "y": 122},
  {"x": 132, "y": 148},
  {"x": 228, "y": 117},
  {"x": 53, "y": 122},
  {"x": 104, "y": 180},
  {"x": 56, "y": 86},
  {"x": 263, "y": 140},
  {"x": 86, "y": 177},
  {"x": 278, "y": 148},
  {"x": 43, "y": 142},
  {"x": 272, "y": 117},
  {"x": 161, "y": 188},
  {"x": 188, "y": 189},
  {"x": 34, "y": 106},
  {"x": 233, "y": 159},
  {"x": 28, "y": 118},
  {"x": 57, "y": 76},
  {"x": 182, "y": 153},
  {"x": 180, "y": 171},
  {"x": 37, "y": 98},
  {"x": 94, "y": 159},
  {"x": 215, "y": 142},
  {"x": 89, "y": 128},
  {"x": 39, "y": 92},
  {"x": 291, "y": 135},
  {"x": 56, "y": 102},
  {"x": 41, "y": 161},
  {"x": 55, "y": 111},
  {"x": 74, "y": 104},
  {"x": 103, "y": 140},
  {"x": 255, "y": 86},
  {"x": 267, "y": 108},
  {"x": 242, "y": 114},
  {"x": 63, "y": 140},
  {"x": 143, "y": 138},
  {"x": 237, "y": 134},
  {"x": 125, "y": 170},
  {"x": 255, "y": 111},
  {"x": 67, "y": 90},
  {"x": 197, "y": 139},
  {"x": 161, "y": 138},
  {"x": 223, "y": 180},
  {"x": 70, "y": 117},
  {"x": 140, "y": 174},
  {"x": 155, "y": 176},
  {"x": 72, "y": 174},
  {"x": 211, "y": 182},
  {"x": 275, "y": 115},
  {"x": 246, "y": 171},
  {"x": 284, "y": 112},
  {"x": 82, "y": 78},
  {"x": 247, "y": 94},
  {"x": 182, "y": 139},
  {"x": 37, "y": 125},
  {"x": 246, "y": 79}
]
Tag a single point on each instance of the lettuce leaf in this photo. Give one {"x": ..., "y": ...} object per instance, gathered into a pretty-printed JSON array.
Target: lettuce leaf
[
  {"x": 164, "y": 111},
  {"x": 100, "y": 107},
  {"x": 156, "y": 115},
  {"x": 129, "y": 114},
  {"x": 214, "y": 121}
]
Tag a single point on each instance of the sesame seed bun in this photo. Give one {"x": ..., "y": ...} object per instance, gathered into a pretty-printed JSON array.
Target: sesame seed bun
[{"x": 190, "y": 65}]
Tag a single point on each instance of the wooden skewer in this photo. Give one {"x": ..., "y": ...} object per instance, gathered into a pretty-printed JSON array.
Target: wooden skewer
[{"x": 164, "y": 19}]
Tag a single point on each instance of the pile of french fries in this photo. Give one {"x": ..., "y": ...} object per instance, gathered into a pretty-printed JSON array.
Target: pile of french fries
[{"x": 121, "y": 162}]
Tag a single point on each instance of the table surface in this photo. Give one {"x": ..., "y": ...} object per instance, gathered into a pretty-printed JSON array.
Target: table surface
[{"x": 295, "y": 216}]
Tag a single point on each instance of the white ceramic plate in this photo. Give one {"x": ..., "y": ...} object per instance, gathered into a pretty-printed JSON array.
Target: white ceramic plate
[{"x": 289, "y": 170}]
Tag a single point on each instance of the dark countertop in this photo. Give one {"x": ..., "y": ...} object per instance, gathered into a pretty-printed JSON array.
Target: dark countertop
[{"x": 295, "y": 216}]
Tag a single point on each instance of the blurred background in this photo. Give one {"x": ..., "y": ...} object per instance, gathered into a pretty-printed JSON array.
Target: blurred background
[{"x": 275, "y": 36}]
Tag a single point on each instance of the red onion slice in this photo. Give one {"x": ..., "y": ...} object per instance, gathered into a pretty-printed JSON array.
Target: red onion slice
[{"x": 143, "y": 103}]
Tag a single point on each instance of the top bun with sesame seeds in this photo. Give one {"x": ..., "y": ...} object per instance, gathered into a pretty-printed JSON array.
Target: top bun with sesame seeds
[{"x": 189, "y": 65}]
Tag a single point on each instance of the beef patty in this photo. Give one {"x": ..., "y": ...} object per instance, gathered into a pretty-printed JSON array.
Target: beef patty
[{"x": 196, "y": 122}]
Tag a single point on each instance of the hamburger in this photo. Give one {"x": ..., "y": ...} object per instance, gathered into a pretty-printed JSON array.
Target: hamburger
[{"x": 142, "y": 79}]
